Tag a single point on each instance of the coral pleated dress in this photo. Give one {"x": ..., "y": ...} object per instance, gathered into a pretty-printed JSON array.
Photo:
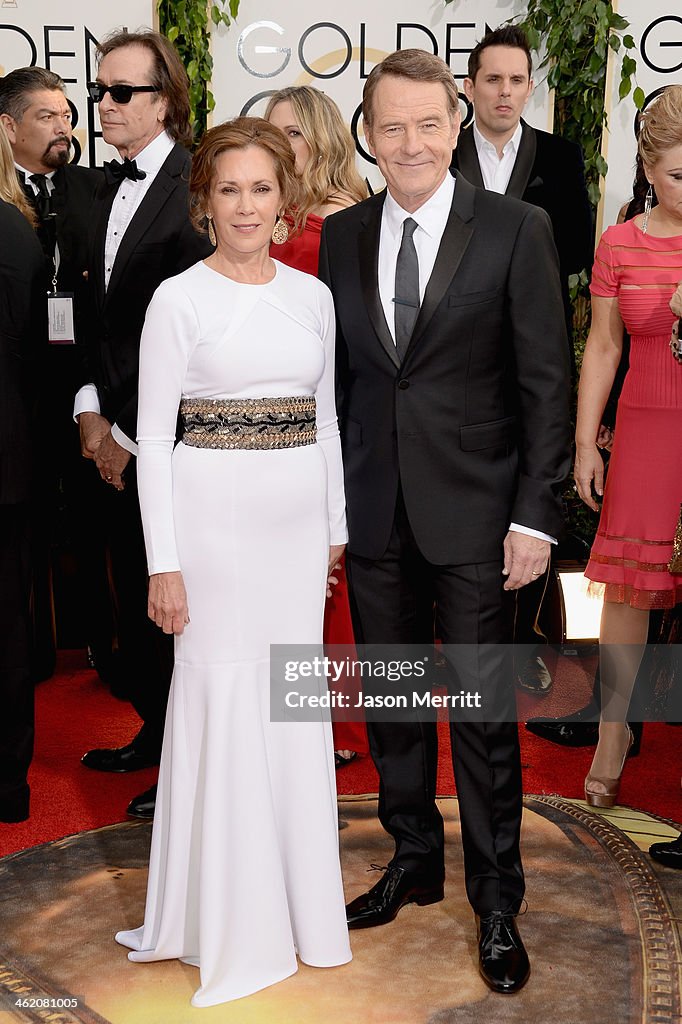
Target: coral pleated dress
[{"x": 643, "y": 490}]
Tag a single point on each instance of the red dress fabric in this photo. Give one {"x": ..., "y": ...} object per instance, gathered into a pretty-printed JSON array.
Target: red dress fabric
[
  {"x": 643, "y": 490},
  {"x": 302, "y": 253}
]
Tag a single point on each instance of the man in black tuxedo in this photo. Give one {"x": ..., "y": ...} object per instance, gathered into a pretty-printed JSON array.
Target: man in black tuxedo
[
  {"x": 142, "y": 235},
  {"x": 453, "y": 403},
  {"x": 22, "y": 346},
  {"x": 37, "y": 117},
  {"x": 502, "y": 153}
]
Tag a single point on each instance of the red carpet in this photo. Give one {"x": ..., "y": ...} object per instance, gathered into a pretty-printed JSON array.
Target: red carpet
[{"x": 76, "y": 712}]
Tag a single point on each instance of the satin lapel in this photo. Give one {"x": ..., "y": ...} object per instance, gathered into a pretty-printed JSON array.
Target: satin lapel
[
  {"x": 467, "y": 158},
  {"x": 105, "y": 200},
  {"x": 453, "y": 245},
  {"x": 368, "y": 254},
  {"x": 146, "y": 214},
  {"x": 523, "y": 165},
  {"x": 59, "y": 195}
]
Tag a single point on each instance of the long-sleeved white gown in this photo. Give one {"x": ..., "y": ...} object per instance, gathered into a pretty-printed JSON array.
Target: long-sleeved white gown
[{"x": 244, "y": 869}]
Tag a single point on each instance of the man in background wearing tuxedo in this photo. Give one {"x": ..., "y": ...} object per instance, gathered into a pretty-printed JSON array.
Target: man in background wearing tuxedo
[
  {"x": 502, "y": 153},
  {"x": 141, "y": 236},
  {"x": 38, "y": 120}
]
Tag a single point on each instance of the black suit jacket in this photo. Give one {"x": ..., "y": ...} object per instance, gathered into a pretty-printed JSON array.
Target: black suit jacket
[
  {"x": 474, "y": 424},
  {"x": 64, "y": 372},
  {"x": 158, "y": 243},
  {"x": 73, "y": 198},
  {"x": 23, "y": 334},
  {"x": 549, "y": 173}
]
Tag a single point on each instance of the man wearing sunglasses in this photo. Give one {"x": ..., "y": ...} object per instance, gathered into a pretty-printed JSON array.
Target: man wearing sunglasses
[{"x": 141, "y": 236}]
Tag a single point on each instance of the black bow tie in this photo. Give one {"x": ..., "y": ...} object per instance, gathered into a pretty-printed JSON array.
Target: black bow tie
[{"x": 115, "y": 171}]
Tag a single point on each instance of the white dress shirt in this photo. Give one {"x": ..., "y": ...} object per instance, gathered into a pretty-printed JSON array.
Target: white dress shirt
[
  {"x": 431, "y": 220},
  {"x": 497, "y": 170},
  {"x": 127, "y": 200}
]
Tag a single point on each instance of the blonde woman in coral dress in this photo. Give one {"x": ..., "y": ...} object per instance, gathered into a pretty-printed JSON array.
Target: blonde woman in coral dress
[
  {"x": 242, "y": 521},
  {"x": 637, "y": 268}
]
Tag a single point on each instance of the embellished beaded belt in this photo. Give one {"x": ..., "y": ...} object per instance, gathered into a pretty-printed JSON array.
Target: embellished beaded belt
[{"x": 248, "y": 422}]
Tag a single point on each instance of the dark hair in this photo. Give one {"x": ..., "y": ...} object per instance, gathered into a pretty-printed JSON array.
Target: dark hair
[
  {"x": 508, "y": 35},
  {"x": 241, "y": 133},
  {"x": 17, "y": 86},
  {"x": 168, "y": 75},
  {"x": 417, "y": 65}
]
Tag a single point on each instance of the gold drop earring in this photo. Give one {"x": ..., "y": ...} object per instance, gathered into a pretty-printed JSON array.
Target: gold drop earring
[
  {"x": 211, "y": 230},
  {"x": 280, "y": 232}
]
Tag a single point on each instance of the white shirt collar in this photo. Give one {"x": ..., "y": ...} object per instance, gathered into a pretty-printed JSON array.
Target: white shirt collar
[
  {"x": 27, "y": 174},
  {"x": 431, "y": 216},
  {"x": 512, "y": 146},
  {"x": 153, "y": 156}
]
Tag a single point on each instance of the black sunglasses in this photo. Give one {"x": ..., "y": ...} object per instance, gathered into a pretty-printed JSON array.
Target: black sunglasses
[{"x": 119, "y": 93}]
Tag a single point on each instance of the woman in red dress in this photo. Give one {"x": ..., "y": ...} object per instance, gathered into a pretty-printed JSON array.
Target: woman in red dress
[
  {"x": 325, "y": 162},
  {"x": 637, "y": 267}
]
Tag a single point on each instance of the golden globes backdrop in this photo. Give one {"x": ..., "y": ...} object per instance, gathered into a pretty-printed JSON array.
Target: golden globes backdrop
[
  {"x": 656, "y": 26},
  {"x": 62, "y": 37},
  {"x": 334, "y": 47}
]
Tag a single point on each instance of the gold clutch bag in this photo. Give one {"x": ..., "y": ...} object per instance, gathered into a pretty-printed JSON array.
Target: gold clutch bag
[{"x": 675, "y": 563}]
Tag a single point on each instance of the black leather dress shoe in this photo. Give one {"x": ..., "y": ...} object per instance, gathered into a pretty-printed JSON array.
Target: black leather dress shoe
[
  {"x": 118, "y": 759},
  {"x": 669, "y": 853},
  {"x": 533, "y": 675},
  {"x": 566, "y": 734},
  {"x": 383, "y": 901},
  {"x": 502, "y": 959},
  {"x": 576, "y": 731},
  {"x": 143, "y": 806}
]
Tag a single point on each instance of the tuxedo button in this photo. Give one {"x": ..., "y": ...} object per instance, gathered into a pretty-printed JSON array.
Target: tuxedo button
[{"x": 403, "y": 384}]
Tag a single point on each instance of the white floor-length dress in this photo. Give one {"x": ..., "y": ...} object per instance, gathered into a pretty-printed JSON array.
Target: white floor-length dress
[{"x": 244, "y": 870}]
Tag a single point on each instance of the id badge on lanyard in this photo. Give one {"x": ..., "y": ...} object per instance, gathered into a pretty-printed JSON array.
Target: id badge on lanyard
[{"x": 61, "y": 330}]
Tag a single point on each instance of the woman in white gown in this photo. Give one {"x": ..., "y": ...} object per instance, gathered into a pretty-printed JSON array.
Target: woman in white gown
[{"x": 242, "y": 520}]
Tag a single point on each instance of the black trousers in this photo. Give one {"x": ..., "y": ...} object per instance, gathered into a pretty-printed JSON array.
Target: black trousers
[
  {"x": 16, "y": 685},
  {"x": 145, "y": 654},
  {"x": 391, "y": 602}
]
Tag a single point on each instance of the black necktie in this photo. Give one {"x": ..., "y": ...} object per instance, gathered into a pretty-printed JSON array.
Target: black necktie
[
  {"x": 43, "y": 199},
  {"x": 406, "y": 299},
  {"x": 115, "y": 171}
]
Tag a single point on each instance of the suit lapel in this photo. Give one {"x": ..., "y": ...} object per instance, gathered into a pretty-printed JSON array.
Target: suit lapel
[
  {"x": 368, "y": 254},
  {"x": 523, "y": 165},
  {"x": 453, "y": 245},
  {"x": 155, "y": 198},
  {"x": 59, "y": 194},
  {"x": 105, "y": 200},
  {"x": 467, "y": 158}
]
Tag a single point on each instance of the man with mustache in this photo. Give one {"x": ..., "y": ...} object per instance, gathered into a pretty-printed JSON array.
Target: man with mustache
[{"x": 37, "y": 118}]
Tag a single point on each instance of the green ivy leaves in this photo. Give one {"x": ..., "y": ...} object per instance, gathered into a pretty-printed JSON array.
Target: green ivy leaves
[{"x": 187, "y": 24}]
